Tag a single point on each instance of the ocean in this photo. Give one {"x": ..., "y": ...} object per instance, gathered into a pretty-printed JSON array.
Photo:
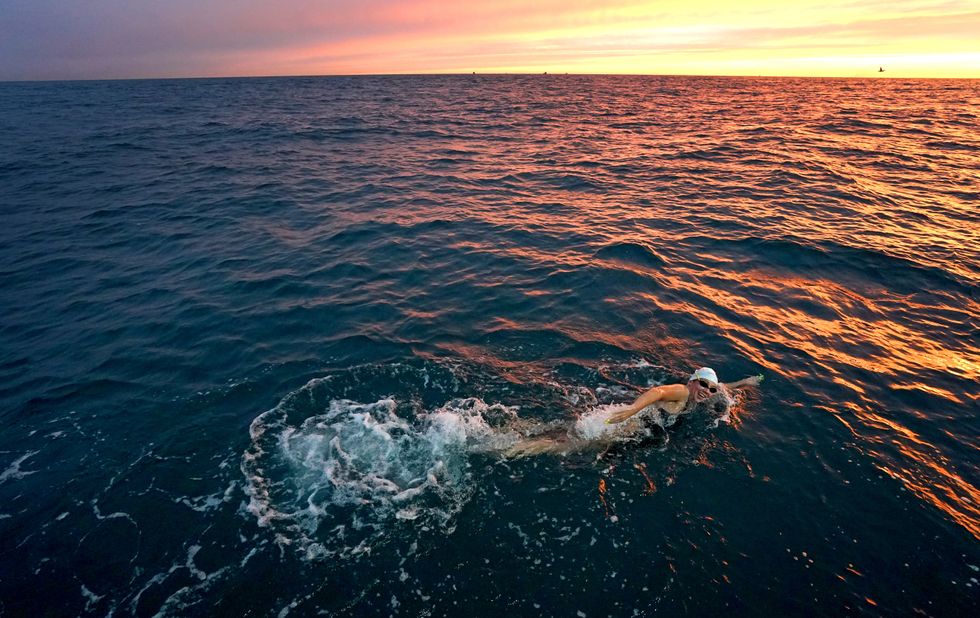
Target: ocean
[{"x": 265, "y": 344}]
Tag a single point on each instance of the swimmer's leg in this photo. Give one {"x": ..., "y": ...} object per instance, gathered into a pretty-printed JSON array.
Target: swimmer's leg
[
  {"x": 535, "y": 446},
  {"x": 563, "y": 445}
]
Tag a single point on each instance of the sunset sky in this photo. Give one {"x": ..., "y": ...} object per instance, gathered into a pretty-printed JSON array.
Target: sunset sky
[{"x": 57, "y": 39}]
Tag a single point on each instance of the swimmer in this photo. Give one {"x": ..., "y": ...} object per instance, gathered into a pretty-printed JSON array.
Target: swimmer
[
  {"x": 671, "y": 399},
  {"x": 680, "y": 398}
]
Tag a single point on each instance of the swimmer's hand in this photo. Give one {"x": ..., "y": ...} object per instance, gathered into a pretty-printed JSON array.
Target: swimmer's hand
[
  {"x": 751, "y": 381},
  {"x": 620, "y": 416}
]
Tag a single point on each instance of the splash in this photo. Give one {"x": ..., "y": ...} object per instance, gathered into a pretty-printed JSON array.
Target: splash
[
  {"x": 338, "y": 483},
  {"x": 592, "y": 425}
]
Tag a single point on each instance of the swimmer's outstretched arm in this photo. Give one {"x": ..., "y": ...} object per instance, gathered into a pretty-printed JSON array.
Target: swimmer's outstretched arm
[
  {"x": 669, "y": 392},
  {"x": 750, "y": 381}
]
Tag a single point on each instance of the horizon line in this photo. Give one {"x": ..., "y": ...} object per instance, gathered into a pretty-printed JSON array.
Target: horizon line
[{"x": 468, "y": 73}]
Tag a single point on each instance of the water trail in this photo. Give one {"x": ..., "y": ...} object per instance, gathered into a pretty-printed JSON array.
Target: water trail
[
  {"x": 334, "y": 483},
  {"x": 337, "y": 478}
]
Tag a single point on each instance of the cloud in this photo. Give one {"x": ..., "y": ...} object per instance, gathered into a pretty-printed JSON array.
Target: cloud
[{"x": 117, "y": 38}]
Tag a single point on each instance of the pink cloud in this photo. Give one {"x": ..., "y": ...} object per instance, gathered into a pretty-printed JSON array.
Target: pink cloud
[{"x": 119, "y": 38}]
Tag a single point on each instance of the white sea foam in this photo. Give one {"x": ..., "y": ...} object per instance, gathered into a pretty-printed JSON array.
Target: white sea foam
[
  {"x": 332, "y": 484},
  {"x": 13, "y": 471}
]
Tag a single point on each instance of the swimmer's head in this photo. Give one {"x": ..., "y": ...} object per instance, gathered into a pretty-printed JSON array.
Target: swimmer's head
[
  {"x": 705, "y": 373},
  {"x": 703, "y": 383}
]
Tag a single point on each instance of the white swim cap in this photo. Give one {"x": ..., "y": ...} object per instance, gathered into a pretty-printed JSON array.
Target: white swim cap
[{"x": 705, "y": 373}]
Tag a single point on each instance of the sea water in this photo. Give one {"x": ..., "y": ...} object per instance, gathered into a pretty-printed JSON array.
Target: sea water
[{"x": 266, "y": 344}]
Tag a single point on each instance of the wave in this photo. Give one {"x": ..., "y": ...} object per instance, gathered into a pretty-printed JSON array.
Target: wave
[
  {"x": 901, "y": 274},
  {"x": 633, "y": 253}
]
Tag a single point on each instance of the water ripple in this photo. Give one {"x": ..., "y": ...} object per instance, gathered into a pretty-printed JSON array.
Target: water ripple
[{"x": 176, "y": 257}]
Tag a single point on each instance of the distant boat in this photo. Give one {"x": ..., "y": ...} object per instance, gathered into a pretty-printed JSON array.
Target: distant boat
[{"x": 881, "y": 70}]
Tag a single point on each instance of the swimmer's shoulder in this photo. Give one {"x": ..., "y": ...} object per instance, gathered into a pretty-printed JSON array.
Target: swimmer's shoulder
[{"x": 673, "y": 392}]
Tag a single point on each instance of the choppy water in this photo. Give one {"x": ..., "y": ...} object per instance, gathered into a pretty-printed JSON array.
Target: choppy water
[{"x": 263, "y": 342}]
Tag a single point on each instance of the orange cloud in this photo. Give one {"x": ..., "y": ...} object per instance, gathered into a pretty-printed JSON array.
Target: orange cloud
[{"x": 112, "y": 38}]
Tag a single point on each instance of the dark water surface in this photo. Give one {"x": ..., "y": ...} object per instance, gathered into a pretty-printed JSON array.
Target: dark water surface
[{"x": 261, "y": 338}]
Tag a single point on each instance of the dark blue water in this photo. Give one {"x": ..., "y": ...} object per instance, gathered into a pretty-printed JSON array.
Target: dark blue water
[{"x": 263, "y": 341}]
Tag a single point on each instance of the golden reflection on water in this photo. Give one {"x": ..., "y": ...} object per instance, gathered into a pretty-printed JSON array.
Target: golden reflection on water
[
  {"x": 872, "y": 200},
  {"x": 880, "y": 346},
  {"x": 853, "y": 331}
]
